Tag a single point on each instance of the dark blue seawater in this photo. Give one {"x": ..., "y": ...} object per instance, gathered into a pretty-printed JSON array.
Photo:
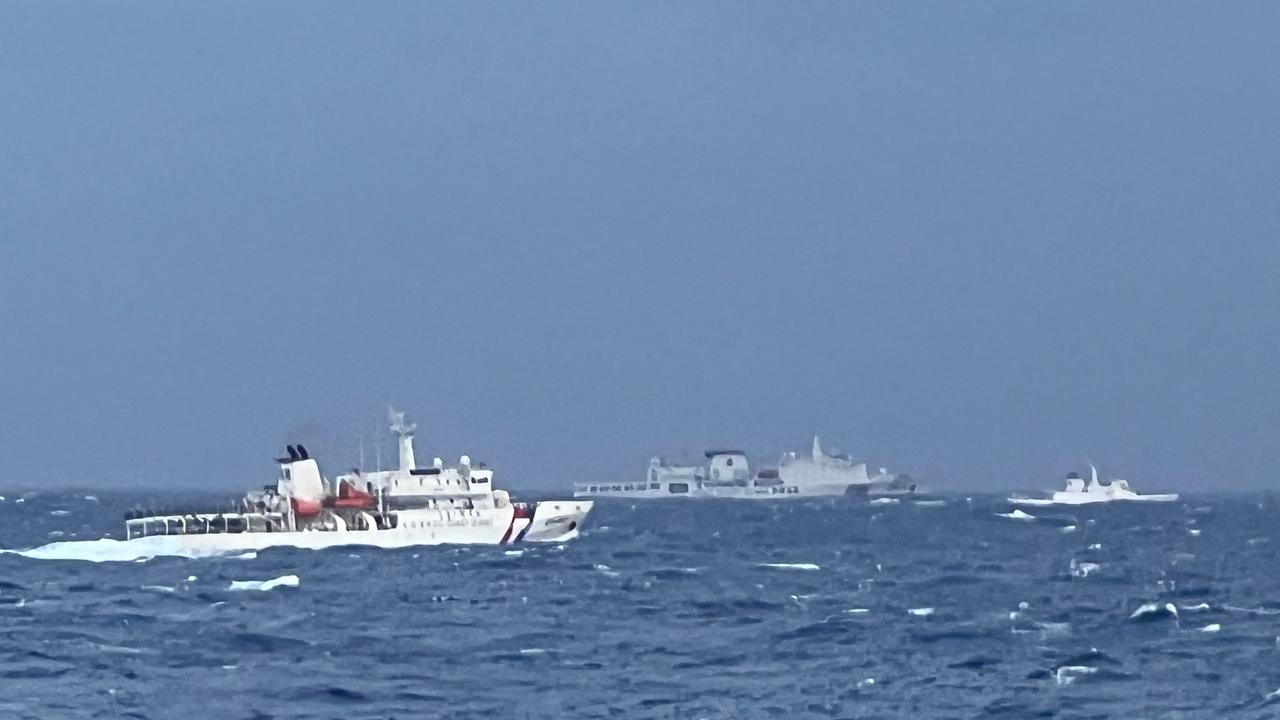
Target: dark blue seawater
[{"x": 670, "y": 610}]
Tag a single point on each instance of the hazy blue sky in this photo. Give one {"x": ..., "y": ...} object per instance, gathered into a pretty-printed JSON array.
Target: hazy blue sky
[{"x": 984, "y": 242}]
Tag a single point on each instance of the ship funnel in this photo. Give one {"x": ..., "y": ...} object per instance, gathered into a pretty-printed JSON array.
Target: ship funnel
[
  {"x": 302, "y": 453},
  {"x": 301, "y": 479},
  {"x": 293, "y": 452}
]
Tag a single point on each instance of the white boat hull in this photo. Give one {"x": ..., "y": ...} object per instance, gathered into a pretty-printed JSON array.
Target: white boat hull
[
  {"x": 1083, "y": 499},
  {"x": 552, "y": 521},
  {"x": 777, "y": 492}
]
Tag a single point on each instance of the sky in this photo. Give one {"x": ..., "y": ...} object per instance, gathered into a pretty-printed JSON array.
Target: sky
[{"x": 984, "y": 243}]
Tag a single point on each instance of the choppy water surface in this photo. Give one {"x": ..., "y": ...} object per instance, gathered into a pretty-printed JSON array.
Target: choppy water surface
[{"x": 669, "y": 610}]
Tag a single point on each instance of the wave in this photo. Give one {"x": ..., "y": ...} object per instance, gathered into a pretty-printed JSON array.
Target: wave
[
  {"x": 282, "y": 581},
  {"x": 606, "y": 570},
  {"x": 790, "y": 566},
  {"x": 102, "y": 550},
  {"x": 1252, "y": 611},
  {"x": 1154, "y": 610},
  {"x": 1068, "y": 674},
  {"x": 1082, "y": 569}
]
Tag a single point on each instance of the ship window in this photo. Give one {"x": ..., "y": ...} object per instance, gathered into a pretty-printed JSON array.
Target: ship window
[
  {"x": 729, "y": 462},
  {"x": 653, "y": 486},
  {"x": 678, "y": 488}
]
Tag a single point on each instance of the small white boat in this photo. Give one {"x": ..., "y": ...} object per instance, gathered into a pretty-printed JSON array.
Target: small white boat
[{"x": 1078, "y": 493}]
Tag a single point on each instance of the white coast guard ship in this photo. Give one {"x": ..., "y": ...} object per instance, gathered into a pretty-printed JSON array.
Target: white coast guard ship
[
  {"x": 1078, "y": 493},
  {"x": 407, "y": 506},
  {"x": 727, "y": 474}
]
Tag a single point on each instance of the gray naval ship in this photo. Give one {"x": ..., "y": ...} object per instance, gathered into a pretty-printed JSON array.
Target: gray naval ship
[{"x": 727, "y": 474}]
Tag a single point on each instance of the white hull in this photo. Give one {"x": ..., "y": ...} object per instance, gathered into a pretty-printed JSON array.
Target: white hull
[
  {"x": 553, "y": 521},
  {"x": 776, "y": 492},
  {"x": 1082, "y": 499}
]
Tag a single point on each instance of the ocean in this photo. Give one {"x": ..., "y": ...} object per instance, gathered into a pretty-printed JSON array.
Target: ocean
[{"x": 669, "y": 609}]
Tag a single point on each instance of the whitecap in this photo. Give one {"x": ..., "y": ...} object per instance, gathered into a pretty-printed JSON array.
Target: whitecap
[
  {"x": 1211, "y": 628},
  {"x": 791, "y": 566},
  {"x": 606, "y": 570},
  {"x": 868, "y": 682},
  {"x": 928, "y": 503},
  {"x": 1022, "y": 607},
  {"x": 1067, "y": 674},
  {"x": 1252, "y": 611},
  {"x": 1194, "y": 533},
  {"x": 160, "y": 588},
  {"x": 1096, "y": 546},
  {"x": 857, "y": 611},
  {"x": 59, "y": 513},
  {"x": 118, "y": 649},
  {"x": 1082, "y": 569},
  {"x": 103, "y": 550},
  {"x": 1153, "y": 609},
  {"x": 1053, "y": 629},
  {"x": 91, "y": 498},
  {"x": 1016, "y": 515},
  {"x": 513, "y": 553},
  {"x": 1067, "y": 529},
  {"x": 921, "y": 611},
  {"x": 1195, "y": 608},
  {"x": 533, "y": 651},
  {"x": 282, "y": 581},
  {"x": 251, "y": 555},
  {"x": 885, "y": 501}
]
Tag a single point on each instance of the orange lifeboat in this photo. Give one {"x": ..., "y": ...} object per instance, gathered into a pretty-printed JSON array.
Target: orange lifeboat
[
  {"x": 352, "y": 498},
  {"x": 305, "y": 508}
]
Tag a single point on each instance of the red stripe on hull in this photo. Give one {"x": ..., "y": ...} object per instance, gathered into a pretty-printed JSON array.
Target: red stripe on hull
[{"x": 507, "y": 535}]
